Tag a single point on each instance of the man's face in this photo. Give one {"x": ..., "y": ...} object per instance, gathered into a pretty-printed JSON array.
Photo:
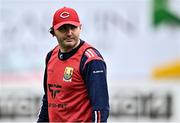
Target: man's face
[{"x": 68, "y": 37}]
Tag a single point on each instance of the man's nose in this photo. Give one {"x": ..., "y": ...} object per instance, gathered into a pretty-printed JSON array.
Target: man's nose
[{"x": 69, "y": 31}]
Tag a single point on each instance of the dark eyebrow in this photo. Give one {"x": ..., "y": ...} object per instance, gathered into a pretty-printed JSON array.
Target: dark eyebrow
[{"x": 65, "y": 26}]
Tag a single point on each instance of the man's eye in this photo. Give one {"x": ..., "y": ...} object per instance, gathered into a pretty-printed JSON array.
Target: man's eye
[
  {"x": 61, "y": 29},
  {"x": 73, "y": 27},
  {"x": 66, "y": 28}
]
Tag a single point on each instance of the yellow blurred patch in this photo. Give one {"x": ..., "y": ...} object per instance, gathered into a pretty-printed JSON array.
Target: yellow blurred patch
[{"x": 169, "y": 70}]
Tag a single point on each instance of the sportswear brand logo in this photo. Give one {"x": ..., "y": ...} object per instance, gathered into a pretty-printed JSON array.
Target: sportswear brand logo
[
  {"x": 54, "y": 89},
  {"x": 68, "y": 72},
  {"x": 64, "y": 15},
  {"x": 98, "y": 71}
]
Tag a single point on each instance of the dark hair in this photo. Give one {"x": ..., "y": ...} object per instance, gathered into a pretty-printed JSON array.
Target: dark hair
[{"x": 51, "y": 30}]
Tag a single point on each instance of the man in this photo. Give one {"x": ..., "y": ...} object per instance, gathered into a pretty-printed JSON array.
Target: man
[{"x": 75, "y": 81}]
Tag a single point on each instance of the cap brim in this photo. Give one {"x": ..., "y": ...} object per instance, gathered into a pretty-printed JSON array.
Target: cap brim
[{"x": 67, "y": 22}]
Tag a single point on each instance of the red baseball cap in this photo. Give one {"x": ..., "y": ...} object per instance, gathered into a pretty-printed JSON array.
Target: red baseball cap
[{"x": 65, "y": 15}]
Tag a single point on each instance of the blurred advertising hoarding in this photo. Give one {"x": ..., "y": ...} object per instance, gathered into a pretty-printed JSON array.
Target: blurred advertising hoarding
[
  {"x": 145, "y": 102},
  {"x": 129, "y": 35},
  {"x": 134, "y": 103}
]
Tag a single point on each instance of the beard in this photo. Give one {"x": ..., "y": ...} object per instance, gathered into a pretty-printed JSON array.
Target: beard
[{"x": 69, "y": 43}]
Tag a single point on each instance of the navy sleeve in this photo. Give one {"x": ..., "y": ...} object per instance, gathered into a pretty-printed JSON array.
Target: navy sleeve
[
  {"x": 95, "y": 78},
  {"x": 43, "y": 114}
]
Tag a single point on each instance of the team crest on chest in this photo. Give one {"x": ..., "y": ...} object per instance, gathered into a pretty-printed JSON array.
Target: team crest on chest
[{"x": 68, "y": 72}]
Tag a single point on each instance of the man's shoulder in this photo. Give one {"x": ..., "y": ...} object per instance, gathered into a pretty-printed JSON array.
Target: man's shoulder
[
  {"x": 48, "y": 56},
  {"x": 91, "y": 52},
  {"x": 55, "y": 48}
]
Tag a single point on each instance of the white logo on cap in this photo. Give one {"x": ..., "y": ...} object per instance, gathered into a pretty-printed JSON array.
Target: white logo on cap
[{"x": 64, "y": 15}]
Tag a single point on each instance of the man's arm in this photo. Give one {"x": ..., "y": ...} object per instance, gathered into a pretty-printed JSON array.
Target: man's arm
[
  {"x": 95, "y": 76},
  {"x": 43, "y": 114}
]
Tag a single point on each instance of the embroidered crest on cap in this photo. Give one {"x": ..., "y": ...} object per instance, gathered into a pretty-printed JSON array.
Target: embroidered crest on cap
[{"x": 64, "y": 15}]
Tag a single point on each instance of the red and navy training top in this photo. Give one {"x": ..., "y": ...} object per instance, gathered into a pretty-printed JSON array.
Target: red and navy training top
[{"x": 75, "y": 86}]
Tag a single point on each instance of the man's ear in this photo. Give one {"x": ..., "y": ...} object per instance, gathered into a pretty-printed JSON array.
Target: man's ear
[
  {"x": 51, "y": 30},
  {"x": 80, "y": 26}
]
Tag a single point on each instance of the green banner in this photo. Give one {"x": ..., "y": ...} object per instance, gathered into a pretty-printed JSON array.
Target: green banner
[{"x": 163, "y": 14}]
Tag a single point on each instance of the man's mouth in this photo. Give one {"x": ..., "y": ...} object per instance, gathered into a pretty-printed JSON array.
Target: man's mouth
[{"x": 69, "y": 39}]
